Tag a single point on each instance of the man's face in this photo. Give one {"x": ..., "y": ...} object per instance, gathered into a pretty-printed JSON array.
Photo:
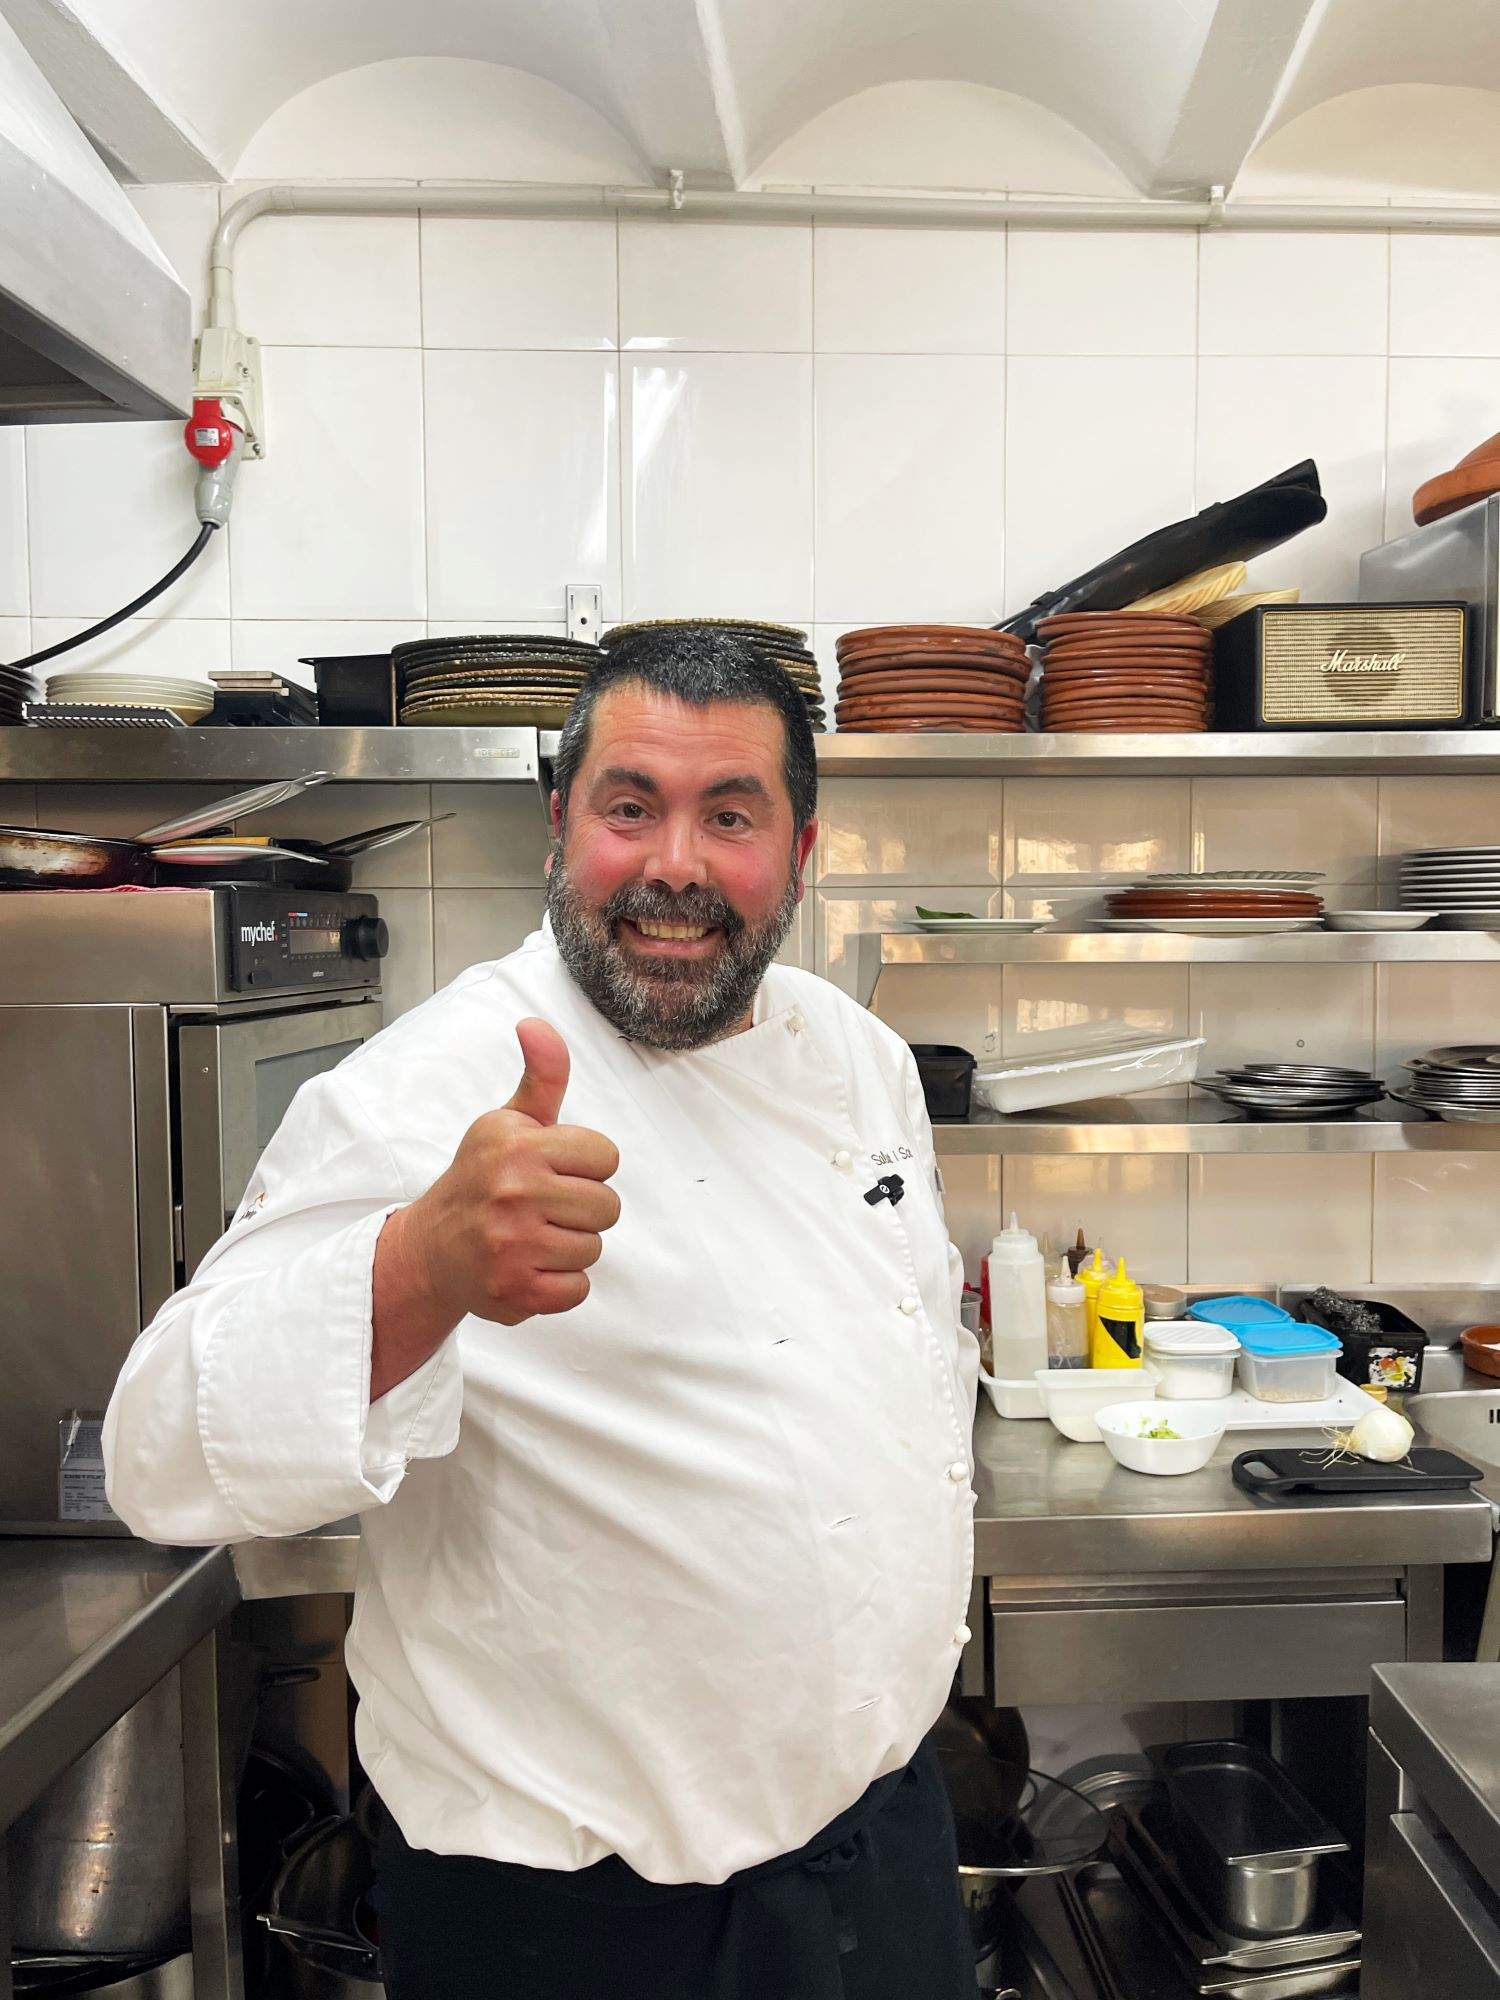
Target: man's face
[{"x": 676, "y": 874}]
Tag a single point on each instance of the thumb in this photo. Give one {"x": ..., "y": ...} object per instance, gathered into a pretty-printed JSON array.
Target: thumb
[{"x": 539, "y": 1094}]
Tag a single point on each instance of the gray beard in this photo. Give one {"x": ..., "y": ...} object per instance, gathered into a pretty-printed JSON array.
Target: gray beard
[{"x": 671, "y": 1003}]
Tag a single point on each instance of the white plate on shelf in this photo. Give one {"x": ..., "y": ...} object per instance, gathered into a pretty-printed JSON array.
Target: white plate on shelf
[
  {"x": 1376, "y": 920},
  {"x": 1212, "y": 926},
  {"x": 982, "y": 926}
]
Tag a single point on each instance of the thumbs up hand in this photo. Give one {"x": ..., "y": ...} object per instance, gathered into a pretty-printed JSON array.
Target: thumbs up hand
[{"x": 512, "y": 1227}]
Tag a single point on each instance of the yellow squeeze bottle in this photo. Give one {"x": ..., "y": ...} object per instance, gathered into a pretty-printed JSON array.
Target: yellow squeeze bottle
[
  {"x": 1119, "y": 1322},
  {"x": 1091, "y": 1277}
]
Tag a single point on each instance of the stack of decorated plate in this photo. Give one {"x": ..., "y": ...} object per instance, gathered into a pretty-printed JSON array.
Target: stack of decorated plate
[
  {"x": 1294, "y": 1090},
  {"x": 785, "y": 644},
  {"x": 1219, "y": 903},
  {"x": 126, "y": 687},
  {"x": 1462, "y": 882},
  {"x": 1125, "y": 672},
  {"x": 1461, "y": 1084},
  {"x": 490, "y": 680},
  {"x": 16, "y": 689},
  {"x": 932, "y": 677}
]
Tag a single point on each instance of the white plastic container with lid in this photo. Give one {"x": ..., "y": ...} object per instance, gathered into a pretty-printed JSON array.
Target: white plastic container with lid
[
  {"x": 1289, "y": 1364},
  {"x": 1018, "y": 1312},
  {"x": 1191, "y": 1362}
]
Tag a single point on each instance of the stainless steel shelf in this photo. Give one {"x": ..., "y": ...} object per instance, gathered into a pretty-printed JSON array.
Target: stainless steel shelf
[
  {"x": 1307, "y": 753},
  {"x": 1202, "y": 1125},
  {"x": 877, "y": 951},
  {"x": 244, "y": 756},
  {"x": 458, "y": 756}
]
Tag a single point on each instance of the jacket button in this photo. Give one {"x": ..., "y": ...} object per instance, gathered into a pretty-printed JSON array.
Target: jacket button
[
  {"x": 909, "y": 1305},
  {"x": 962, "y": 1636},
  {"x": 843, "y": 1160},
  {"x": 958, "y": 1470}
]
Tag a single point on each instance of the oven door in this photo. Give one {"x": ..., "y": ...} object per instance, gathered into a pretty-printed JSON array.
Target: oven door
[{"x": 236, "y": 1076}]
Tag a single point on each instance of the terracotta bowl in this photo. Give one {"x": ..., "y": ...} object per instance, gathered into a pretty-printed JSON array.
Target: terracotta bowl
[
  {"x": 1126, "y": 649},
  {"x": 938, "y": 664},
  {"x": 931, "y": 724},
  {"x": 1482, "y": 1348},
  {"x": 1128, "y": 725}
]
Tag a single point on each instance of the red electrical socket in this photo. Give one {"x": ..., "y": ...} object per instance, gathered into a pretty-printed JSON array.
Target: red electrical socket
[{"x": 208, "y": 433}]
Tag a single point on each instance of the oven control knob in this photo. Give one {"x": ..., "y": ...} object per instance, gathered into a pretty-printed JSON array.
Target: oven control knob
[{"x": 367, "y": 937}]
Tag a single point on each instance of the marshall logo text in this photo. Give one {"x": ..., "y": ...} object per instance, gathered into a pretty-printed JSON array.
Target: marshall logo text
[{"x": 1340, "y": 661}]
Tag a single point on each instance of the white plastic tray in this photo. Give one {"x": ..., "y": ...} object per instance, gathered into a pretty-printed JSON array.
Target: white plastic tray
[
  {"x": 1116, "y": 1068},
  {"x": 1244, "y": 1412}
]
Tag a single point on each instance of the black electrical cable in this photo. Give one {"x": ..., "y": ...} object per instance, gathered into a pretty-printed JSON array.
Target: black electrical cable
[{"x": 135, "y": 604}]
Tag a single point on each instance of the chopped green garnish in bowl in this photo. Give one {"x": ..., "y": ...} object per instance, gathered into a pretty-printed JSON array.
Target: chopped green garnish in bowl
[
  {"x": 947, "y": 916},
  {"x": 1157, "y": 1427}
]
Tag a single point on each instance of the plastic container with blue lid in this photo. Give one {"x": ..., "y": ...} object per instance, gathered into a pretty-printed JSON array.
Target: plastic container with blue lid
[
  {"x": 1282, "y": 1360},
  {"x": 1236, "y": 1311}
]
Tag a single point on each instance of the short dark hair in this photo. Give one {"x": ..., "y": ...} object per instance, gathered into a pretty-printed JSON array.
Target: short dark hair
[{"x": 699, "y": 665}]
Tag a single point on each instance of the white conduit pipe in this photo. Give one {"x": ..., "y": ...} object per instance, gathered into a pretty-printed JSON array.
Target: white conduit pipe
[{"x": 935, "y": 211}]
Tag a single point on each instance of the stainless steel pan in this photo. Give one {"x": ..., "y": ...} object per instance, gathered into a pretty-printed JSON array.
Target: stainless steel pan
[{"x": 36, "y": 858}]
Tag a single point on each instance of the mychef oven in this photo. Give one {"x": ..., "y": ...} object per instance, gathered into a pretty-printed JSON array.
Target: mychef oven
[{"x": 150, "y": 1043}]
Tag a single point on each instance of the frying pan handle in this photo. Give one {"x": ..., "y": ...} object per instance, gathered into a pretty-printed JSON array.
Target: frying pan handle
[
  {"x": 1245, "y": 1477},
  {"x": 236, "y": 806}
]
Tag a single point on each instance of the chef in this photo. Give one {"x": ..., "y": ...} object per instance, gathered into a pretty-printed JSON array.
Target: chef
[{"x": 610, "y": 1288}]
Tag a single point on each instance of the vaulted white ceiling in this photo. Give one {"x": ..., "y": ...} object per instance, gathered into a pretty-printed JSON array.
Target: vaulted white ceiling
[{"x": 1158, "y": 96}]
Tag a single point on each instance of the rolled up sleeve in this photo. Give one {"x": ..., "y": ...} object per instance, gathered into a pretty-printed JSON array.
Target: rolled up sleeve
[{"x": 244, "y": 1408}]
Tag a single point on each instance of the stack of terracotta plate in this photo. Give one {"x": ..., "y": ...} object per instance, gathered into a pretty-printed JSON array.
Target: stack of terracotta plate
[
  {"x": 1219, "y": 904},
  {"x": 785, "y": 644},
  {"x": 931, "y": 677},
  {"x": 490, "y": 680},
  {"x": 1125, "y": 671}
]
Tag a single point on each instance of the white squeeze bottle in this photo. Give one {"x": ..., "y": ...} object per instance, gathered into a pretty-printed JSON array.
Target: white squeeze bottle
[
  {"x": 1018, "y": 1304},
  {"x": 1067, "y": 1330}
]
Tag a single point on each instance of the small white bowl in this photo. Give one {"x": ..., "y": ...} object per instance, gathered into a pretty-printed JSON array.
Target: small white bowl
[
  {"x": 1071, "y": 1396},
  {"x": 1377, "y": 920},
  {"x": 1198, "y": 1433}
]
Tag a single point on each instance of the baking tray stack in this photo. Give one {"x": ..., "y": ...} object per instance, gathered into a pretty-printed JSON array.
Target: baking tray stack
[
  {"x": 949, "y": 678},
  {"x": 785, "y": 644},
  {"x": 1307, "y": 1091},
  {"x": 1460, "y": 1085},
  {"x": 490, "y": 680},
  {"x": 1125, "y": 672}
]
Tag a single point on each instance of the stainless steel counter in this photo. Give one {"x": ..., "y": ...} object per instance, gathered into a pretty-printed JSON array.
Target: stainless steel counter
[
  {"x": 89, "y": 1627},
  {"x": 1048, "y": 1508},
  {"x": 1438, "y": 1723}
]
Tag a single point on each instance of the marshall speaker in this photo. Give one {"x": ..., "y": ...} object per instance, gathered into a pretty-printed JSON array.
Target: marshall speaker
[{"x": 1343, "y": 666}]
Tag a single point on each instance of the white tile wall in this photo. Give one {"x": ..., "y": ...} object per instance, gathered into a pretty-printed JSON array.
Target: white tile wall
[
  {"x": 721, "y": 286},
  {"x": 329, "y": 524},
  {"x": 718, "y": 468},
  {"x": 862, "y": 425},
  {"x": 909, "y": 291},
  {"x": 522, "y": 495},
  {"x": 1098, "y": 451},
  {"x": 518, "y": 283},
  {"x": 1102, "y": 292},
  {"x": 910, "y": 487}
]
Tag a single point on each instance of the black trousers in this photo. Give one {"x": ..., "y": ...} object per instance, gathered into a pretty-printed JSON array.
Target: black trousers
[{"x": 868, "y": 1910}]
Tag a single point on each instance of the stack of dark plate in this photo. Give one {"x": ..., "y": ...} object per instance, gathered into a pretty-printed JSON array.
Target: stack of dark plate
[
  {"x": 1294, "y": 1090},
  {"x": 1222, "y": 903},
  {"x": 490, "y": 680},
  {"x": 17, "y": 687},
  {"x": 1125, "y": 672},
  {"x": 932, "y": 677},
  {"x": 785, "y": 644},
  {"x": 1461, "y": 1084}
]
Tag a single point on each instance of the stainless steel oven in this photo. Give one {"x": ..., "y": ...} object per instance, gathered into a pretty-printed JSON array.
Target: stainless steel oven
[{"x": 150, "y": 1043}]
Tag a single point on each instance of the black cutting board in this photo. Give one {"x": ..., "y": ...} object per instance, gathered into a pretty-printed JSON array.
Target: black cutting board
[{"x": 1280, "y": 1471}]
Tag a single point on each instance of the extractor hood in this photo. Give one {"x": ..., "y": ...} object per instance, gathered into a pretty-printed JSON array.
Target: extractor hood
[{"x": 93, "y": 320}]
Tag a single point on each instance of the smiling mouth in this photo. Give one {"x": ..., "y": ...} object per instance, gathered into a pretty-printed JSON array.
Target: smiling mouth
[{"x": 650, "y": 931}]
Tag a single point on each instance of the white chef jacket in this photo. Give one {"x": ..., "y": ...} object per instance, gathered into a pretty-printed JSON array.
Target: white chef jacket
[{"x": 675, "y": 1575}]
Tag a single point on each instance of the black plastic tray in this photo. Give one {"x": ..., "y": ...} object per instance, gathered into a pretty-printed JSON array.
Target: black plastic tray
[{"x": 1282, "y": 1471}]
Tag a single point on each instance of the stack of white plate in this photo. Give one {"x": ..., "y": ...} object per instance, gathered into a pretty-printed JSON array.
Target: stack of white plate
[
  {"x": 1461, "y": 882},
  {"x": 106, "y": 687}
]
